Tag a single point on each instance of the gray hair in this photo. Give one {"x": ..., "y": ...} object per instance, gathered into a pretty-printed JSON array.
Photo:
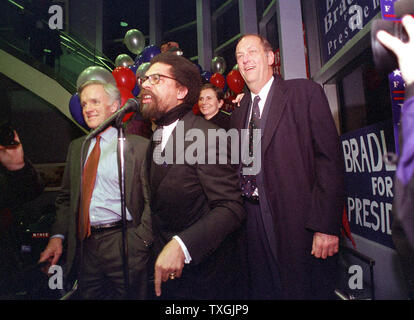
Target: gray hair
[{"x": 111, "y": 90}]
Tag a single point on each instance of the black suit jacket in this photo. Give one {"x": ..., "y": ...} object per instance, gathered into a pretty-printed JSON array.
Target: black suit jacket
[
  {"x": 67, "y": 201},
  {"x": 200, "y": 203},
  {"x": 301, "y": 182}
]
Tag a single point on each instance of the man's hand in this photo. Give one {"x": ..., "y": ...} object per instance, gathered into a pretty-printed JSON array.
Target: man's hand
[
  {"x": 52, "y": 252},
  {"x": 11, "y": 157},
  {"x": 403, "y": 51},
  {"x": 238, "y": 99},
  {"x": 324, "y": 245},
  {"x": 169, "y": 262}
]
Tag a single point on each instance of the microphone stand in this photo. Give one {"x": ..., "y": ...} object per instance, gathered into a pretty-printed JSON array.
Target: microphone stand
[{"x": 121, "y": 173}]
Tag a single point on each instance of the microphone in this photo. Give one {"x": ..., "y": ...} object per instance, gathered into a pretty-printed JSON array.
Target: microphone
[{"x": 132, "y": 105}]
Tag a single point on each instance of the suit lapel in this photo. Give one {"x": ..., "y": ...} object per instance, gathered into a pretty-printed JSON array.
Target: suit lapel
[
  {"x": 159, "y": 172},
  {"x": 274, "y": 107}
]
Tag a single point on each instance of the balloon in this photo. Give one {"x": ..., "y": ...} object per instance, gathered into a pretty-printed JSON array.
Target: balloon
[
  {"x": 134, "y": 41},
  {"x": 142, "y": 69},
  {"x": 136, "y": 91},
  {"x": 133, "y": 68},
  {"x": 235, "y": 81},
  {"x": 75, "y": 109},
  {"x": 149, "y": 53},
  {"x": 218, "y": 80},
  {"x": 205, "y": 76},
  {"x": 138, "y": 59},
  {"x": 196, "y": 109},
  {"x": 124, "y": 78},
  {"x": 218, "y": 65},
  {"x": 123, "y": 60},
  {"x": 125, "y": 95},
  {"x": 95, "y": 73}
]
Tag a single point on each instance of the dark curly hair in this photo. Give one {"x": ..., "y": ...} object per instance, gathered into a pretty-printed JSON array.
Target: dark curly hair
[{"x": 184, "y": 71}]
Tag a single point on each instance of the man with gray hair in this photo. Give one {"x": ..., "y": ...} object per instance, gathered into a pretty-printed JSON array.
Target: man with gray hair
[{"x": 89, "y": 224}]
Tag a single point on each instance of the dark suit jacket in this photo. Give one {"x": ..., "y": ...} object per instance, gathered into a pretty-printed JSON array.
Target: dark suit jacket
[
  {"x": 67, "y": 201},
  {"x": 301, "y": 184},
  {"x": 201, "y": 203}
]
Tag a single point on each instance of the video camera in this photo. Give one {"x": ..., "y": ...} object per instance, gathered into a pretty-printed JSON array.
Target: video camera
[{"x": 385, "y": 60}]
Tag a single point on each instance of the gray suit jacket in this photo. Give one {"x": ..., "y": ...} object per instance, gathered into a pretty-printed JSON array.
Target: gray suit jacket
[{"x": 67, "y": 201}]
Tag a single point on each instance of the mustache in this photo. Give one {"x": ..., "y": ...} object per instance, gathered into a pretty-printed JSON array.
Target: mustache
[{"x": 145, "y": 92}]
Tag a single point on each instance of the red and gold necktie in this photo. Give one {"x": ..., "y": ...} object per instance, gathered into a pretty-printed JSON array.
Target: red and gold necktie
[{"x": 88, "y": 184}]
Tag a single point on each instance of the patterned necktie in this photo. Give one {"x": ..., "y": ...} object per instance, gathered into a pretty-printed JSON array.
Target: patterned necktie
[
  {"x": 88, "y": 184},
  {"x": 156, "y": 145},
  {"x": 248, "y": 182}
]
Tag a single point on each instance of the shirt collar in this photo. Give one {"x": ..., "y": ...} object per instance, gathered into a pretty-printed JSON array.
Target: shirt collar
[
  {"x": 264, "y": 91},
  {"x": 109, "y": 134}
]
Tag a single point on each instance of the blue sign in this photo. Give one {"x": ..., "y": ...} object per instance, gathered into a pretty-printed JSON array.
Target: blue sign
[
  {"x": 340, "y": 20},
  {"x": 369, "y": 181}
]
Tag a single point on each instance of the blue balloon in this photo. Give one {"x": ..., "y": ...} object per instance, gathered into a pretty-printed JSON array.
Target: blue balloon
[
  {"x": 206, "y": 75},
  {"x": 225, "y": 83},
  {"x": 134, "y": 68},
  {"x": 149, "y": 53},
  {"x": 75, "y": 109},
  {"x": 136, "y": 91}
]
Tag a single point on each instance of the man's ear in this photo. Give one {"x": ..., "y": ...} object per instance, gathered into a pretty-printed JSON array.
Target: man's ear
[
  {"x": 221, "y": 102},
  {"x": 270, "y": 58},
  {"x": 115, "y": 106},
  {"x": 182, "y": 92}
]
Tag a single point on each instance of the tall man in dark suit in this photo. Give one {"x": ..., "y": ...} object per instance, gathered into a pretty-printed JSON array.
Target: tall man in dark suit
[
  {"x": 294, "y": 204},
  {"x": 195, "y": 201},
  {"x": 94, "y": 240}
]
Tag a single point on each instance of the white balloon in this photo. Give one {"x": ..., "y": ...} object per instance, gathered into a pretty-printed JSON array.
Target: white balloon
[
  {"x": 95, "y": 73},
  {"x": 134, "y": 41},
  {"x": 123, "y": 60}
]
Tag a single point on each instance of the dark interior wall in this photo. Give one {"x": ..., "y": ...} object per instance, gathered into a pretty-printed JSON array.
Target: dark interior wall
[{"x": 43, "y": 130}]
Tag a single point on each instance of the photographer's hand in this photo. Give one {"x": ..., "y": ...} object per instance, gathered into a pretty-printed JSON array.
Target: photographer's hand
[
  {"x": 403, "y": 51},
  {"x": 12, "y": 157}
]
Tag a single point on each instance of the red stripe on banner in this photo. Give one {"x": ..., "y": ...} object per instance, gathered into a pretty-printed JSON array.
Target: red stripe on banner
[
  {"x": 403, "y": 91},
  {"x": 389, "y": 15},
  {"x": 399, "y": 98}
]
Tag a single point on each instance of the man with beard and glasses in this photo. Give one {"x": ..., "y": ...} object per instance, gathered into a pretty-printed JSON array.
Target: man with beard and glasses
[{"x": 196, "y": 206}]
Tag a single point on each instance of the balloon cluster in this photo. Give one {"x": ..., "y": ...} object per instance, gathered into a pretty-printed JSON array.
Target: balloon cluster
[
  {"x": 127, "y": 72},
  {"x": 124, "y": 76}
]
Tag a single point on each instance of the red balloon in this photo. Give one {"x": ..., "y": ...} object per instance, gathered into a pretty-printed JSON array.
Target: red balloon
[
  {"x": 218, "y": 80},
  {"x": 196, "y": 109},
  {"x": 124, "y": 77},
  {"x": 125, "y": 95},
  {"x": 235, "y": 81}
]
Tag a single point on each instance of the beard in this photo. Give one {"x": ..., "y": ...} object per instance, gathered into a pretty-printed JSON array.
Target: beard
[{"x": 152, "y": 110}]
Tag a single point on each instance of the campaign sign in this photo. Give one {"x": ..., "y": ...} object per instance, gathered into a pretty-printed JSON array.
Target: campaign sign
[
  {"x": 369, "y": 181},
  {"x": 340, "y": 20}
]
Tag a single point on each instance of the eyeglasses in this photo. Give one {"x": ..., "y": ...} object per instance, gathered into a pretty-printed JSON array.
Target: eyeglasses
[{"x": 153, "y": 79}]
